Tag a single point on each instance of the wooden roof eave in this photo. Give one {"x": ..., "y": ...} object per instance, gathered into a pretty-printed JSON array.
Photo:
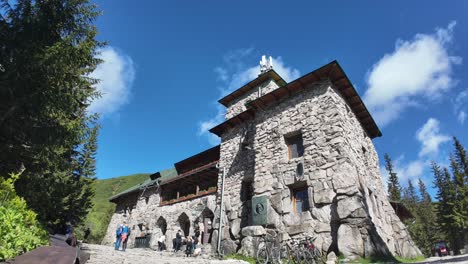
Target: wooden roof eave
[
  {"x": 190, "y": 173},
  {"x": 336, "y": 75},
  {"x": 240, "y": 118}
]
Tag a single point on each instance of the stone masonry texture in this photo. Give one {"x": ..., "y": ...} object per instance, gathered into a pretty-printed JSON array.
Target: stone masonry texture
[{"x": 349, "y": 209}]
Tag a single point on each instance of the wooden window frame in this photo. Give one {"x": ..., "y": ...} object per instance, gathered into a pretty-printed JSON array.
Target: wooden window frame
[
  {"x": 294, "y": 192},
  {"x": 293, "y": 140}
]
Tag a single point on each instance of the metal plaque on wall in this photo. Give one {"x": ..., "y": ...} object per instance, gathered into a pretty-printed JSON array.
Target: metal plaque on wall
[{"x": 259, "y": 210}]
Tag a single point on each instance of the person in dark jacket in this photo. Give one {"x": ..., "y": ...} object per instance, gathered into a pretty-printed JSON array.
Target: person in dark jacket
[
  {"x": 178, "y": 241},
  {"x": 189, "y": 245}
]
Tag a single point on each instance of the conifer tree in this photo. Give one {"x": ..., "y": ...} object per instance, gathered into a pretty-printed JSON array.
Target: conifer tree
[
  {"x": 80, "y": 185},
  {"x": 427, "y": 220},
  {"x": 47, "y": 51},
  {"x": 410, "y": 197},
  {"x": 452, "y": 207},
  {"x": 394, "y": 189}
]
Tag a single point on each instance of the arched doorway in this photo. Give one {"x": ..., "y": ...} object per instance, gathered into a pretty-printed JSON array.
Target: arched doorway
[
  {"x": 162, "y": 225},
  {"x": 205, "y": 224},
  {"x": 184, "y": 223}
]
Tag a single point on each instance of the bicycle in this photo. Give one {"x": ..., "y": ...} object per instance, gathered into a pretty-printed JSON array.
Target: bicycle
[
  {"x": 271, "y": 251},
  {"x": 316, "y": 253}
]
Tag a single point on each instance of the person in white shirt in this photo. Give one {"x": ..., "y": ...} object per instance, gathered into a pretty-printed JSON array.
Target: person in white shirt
[{"x": 161, "y": 245}]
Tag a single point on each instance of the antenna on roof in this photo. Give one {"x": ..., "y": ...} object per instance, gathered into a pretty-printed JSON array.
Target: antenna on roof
[{"x": 266, "y": 65}]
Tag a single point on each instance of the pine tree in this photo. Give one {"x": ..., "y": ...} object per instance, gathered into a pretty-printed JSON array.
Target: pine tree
[
  {"x": 47, "y": 51},
  {"x": 394, "y": 189},
  {"x": 427, "y": 220},
  {"x": 410, "y": 197},
  {"x": 458, "y": 165},
  {"x": 80, "y": 185}
]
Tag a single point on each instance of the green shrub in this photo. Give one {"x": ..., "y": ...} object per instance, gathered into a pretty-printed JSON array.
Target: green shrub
[
  {"x": 250, "y": 260},
  {"x": 19, "y": 228}
]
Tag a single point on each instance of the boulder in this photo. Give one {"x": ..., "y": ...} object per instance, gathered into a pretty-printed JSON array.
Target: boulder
[
  {"x": 331, "y": 258},
  {"x": 350, "y": 242},
  {"x": 228, "y": 246},
  {"x": 286, "y": 205},
  {"x": 273, "y": 219},
  {"x": 235, "y": 227},
  {"x": 322, "y": 213},
  {"x": 324, "y": 196},
  {"x": 276, "y": 201},
  {"x": 248, "y": 246},
  {"x": 348, "y": 205},
  {"x": 344, "y": 179},
  {"x": 301, "y": 228},
  {"x": 322, "y": 227},
  {"x": 253, "y": 231}
]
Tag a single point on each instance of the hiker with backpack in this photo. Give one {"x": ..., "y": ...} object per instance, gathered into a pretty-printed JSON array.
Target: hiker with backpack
[
  {"x": 118, "y": 236},
  {"x": 125, "y": 235}
]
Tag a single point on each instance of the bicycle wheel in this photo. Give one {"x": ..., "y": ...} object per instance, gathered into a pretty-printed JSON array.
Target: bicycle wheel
[
  {"x": 285, "y": 255},
  {"x": 262, "y": 255},
  {"x": 317, "y": 255},
  {"x": 308, "y": 257},
  {"x": 304, "y": 257}
]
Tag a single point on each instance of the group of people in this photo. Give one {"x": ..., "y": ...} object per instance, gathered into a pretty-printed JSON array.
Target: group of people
[
  {"x": 191, "y": 243},
  {"x": 122, "y": 233}
]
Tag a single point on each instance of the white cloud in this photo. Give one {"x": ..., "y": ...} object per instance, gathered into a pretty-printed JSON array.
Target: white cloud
[
  {"x": 116, "y": 74},
  {"x": 459, "y": 106},
  {"x": 461, "y": 117},
  {"x": 206, "y": 125},
  {"x": 418, "y": 67},
  {"x": 430, "y": 137},
  {"x": 235, "y": 72},
  {"x": 405, "y": 171}
]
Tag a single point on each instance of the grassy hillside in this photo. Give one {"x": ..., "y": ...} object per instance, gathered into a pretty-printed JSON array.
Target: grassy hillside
[{"x": 99, "y": 216}]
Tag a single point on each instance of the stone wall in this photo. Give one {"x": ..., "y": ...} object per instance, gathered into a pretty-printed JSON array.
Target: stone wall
[
  {"x": 147, "y": 211},
  {"x": 237, "y": 106},
  {"x": 349, "y": 211}
]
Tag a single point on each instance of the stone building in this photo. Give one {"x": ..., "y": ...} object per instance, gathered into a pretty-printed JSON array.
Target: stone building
[{"x": 297, "y": 158}]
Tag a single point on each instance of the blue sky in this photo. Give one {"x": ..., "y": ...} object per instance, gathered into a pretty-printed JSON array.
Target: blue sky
[{"x": 168, "y": 62}]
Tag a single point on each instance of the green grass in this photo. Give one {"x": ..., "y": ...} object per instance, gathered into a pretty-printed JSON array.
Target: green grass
[
  {"x": 250, "y": 260},
  {"x": 382, "y": 260},
  {"x": 410, "y": 260},
  {"x": 99, "y": 216}
]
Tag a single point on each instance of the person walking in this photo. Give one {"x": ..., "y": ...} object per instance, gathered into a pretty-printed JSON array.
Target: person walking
[
  {"x": 125, "y": 236},
  {"x": 118, "y": 236}
]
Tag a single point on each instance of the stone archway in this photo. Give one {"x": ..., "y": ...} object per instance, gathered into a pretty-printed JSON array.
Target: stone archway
[
  {"x": 205, "y": 223},
  {"x": 161, "y": 224},
  {"x": 184, "y": 223}
]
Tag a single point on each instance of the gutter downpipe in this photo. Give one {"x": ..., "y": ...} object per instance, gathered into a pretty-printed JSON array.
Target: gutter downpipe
[{"x": 221, "y": 213}]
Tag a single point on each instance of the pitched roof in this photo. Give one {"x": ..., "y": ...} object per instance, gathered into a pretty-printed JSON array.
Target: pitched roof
[
  {"x": 165, "y": 176},
  {"x": 334, "y": 73},
  {"x": 271, "y": 74}
]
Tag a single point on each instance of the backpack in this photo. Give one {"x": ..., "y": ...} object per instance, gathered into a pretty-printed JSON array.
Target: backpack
[{"x": 119, "y": 231}]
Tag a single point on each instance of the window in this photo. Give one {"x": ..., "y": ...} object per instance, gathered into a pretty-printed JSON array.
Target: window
[
  {"x": 300, "y": 199},
  {"x": 295, "y": 146}
]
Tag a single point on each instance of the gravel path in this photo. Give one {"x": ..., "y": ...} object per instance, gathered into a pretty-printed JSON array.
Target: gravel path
[{"x": 107, "y": 255}]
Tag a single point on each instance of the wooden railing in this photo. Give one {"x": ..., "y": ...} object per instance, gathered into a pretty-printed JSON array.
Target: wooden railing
[{"x": 189, "y": 197}]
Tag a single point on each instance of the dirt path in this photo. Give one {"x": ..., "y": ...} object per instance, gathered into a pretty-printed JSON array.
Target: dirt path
[{"x": 107, "y": 255}]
